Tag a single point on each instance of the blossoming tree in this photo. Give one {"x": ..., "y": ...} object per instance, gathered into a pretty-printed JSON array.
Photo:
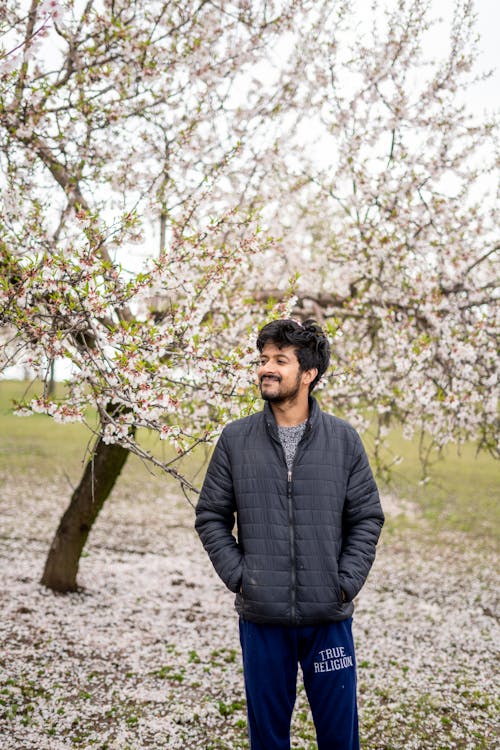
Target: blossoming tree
[
  {"x": 110, "y": 112},
  {"x": 394, "y": 226},
  {"x": 160, "y": 109}
]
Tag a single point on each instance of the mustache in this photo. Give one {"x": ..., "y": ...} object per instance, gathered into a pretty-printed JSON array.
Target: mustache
[{"x": 269, "y": 377}]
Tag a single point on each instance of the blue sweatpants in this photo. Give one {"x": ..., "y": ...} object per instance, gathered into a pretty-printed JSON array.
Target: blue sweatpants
[{"x": 271, "y": 655}]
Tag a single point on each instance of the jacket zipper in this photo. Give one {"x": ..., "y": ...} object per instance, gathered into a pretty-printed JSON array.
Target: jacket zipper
[{"x": 291, "y": 526}]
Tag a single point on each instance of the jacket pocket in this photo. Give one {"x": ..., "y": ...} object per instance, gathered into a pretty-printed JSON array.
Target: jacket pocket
[
  {"x": 242, "y": 582},
  {"x": 242, "y": 588},
  {"x": 239, "y": 602},
  {"x": 336, "y": 582}
]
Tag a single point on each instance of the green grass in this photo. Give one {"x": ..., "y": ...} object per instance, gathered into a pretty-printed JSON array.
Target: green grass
[
  {"x": 37, "y": 443},
  {"x": 462, "y": 493}
]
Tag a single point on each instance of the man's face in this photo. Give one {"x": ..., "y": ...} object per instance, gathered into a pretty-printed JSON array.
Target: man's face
[{"x": 279, "y": 375}]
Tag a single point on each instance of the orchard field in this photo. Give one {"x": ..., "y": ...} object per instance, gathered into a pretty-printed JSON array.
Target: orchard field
[
  {"x": 146, "y": 655},
  {"x": 174, "y": 175}
]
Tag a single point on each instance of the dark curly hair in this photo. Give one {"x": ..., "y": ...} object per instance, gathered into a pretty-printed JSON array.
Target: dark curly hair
[{"x": 308, "y": 340}]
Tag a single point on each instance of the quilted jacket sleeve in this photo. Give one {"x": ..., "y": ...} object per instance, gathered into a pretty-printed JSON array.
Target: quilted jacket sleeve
[
  {"x": 215, "y": 518},
  {"x": 362, "y": 523}
]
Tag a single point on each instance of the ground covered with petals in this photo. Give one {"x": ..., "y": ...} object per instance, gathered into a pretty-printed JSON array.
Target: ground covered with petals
[{"x": 146, "y": 654}]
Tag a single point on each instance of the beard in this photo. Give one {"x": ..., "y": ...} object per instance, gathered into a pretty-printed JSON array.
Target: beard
[{"x": 272, "y": 390}]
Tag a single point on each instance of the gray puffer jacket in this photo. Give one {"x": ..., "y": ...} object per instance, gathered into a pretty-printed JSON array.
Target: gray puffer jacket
[{"x": 303, "y": 536}]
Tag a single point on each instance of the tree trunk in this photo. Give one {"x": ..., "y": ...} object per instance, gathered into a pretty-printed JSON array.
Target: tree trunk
[
  {"x": 99, "y": 477},
  {"x": 51, "y": 386}
]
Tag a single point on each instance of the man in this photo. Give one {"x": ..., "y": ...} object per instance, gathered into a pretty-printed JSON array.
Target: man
[{"x": 308, "y": 520}]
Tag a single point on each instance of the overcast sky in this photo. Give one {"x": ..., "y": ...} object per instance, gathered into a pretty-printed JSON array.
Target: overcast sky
[{"x": 489, "y": 28}]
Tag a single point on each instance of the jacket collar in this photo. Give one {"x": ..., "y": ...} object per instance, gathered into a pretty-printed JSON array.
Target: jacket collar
[{"x": 314, "y": 414}]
